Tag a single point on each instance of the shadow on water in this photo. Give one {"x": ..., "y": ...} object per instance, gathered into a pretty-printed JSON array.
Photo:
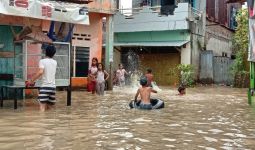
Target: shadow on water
[{"x": 206, "y": 118}]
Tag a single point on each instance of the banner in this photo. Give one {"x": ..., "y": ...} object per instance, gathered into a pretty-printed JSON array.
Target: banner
[
  {"x": 251, "y": 11},
  {"x": 46, "y": 10}
]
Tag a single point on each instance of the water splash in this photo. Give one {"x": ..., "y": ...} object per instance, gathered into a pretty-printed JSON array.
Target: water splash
[{"x": 134, "y": 67}]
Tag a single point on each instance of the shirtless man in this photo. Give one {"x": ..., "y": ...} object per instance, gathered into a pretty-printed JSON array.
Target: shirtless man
[{"x": 145, "y": 94}]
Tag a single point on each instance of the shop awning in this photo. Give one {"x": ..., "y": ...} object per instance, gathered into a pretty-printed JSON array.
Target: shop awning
[
  {"x": 46, "y": 10},
  {"x": 154, "y": 44}
]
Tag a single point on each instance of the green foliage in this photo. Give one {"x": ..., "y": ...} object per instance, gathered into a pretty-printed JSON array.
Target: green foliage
[
  {"x": 240, "y": 42},
  {"x": 185, "y": 73}
]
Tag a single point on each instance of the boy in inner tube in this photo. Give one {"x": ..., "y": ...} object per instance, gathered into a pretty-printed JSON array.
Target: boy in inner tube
[{"x": 145, "y": 94}]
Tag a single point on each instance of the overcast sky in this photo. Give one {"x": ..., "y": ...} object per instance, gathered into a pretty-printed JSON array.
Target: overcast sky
[{"x": 125, "y": 4}]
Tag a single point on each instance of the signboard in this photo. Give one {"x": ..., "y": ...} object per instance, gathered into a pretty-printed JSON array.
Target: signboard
[
  {"x": 46, "y": 10},
  {"x": 251, "y": 11}
]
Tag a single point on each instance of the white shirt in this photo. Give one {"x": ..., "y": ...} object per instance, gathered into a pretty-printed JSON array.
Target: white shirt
[
  {"x": 49, "y": 66},
  {"x": 93, "y": 70},
  {"x": 100, "y": 76},
  {"x": 121, "y": 74}
]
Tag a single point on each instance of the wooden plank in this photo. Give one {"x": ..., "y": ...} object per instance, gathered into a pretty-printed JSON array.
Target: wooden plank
[{"x": 5, "y": 54}]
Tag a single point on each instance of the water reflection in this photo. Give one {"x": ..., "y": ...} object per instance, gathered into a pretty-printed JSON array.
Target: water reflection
[{"x": 206, "y": 118}]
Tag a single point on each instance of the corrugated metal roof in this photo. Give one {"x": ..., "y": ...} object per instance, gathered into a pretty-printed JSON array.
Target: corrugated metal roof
[{"x": 153, "y": 44}]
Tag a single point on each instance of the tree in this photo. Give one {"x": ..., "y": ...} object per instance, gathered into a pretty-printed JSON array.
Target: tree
[{"x": 240, "y": 45}]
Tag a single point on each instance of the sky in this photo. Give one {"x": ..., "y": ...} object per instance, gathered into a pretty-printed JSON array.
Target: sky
[{"x": 126, "y": 4}]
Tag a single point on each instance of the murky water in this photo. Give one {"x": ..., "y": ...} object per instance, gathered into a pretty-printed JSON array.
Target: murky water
[{"x": 206, "y": 118}]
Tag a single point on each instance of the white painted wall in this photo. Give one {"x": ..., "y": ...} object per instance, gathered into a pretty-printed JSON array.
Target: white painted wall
[
  {"x": 186, "y": 55},
  {"x": 147, "y": 20}
]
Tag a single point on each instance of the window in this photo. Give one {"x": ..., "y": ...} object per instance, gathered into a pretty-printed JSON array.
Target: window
[{"x": 81, "y": 61}]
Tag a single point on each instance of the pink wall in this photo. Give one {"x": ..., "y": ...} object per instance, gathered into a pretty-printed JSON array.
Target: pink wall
[
  {"x": 102, "y": 6},
  {"x": 84, "y": 36},
  {"x": 94, "y": 34},
  {"x": 87, "y": 35}
]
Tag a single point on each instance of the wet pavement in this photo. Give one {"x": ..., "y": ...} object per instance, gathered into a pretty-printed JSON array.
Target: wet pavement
[{"x": 206, "y": 118}]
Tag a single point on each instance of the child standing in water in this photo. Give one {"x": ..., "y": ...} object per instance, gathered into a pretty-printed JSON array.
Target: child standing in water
[
  {"x": 149, "y": 77},
  {"x": 145, "y": 94},
  {"x": 102, "y": 76},
  {"x": 181, "y": 90},
  {"x": 92, "y": 76},
  {"x": 120, "y": 74},
  {"x": 47, "y": 70}
]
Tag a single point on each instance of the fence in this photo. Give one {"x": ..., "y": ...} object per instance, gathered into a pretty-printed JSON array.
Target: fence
[{"x": 215, "y": 69}]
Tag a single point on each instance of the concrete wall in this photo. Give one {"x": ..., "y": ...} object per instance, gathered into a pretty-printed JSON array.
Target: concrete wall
[
  {"x": 197, "y": 27},
  {"x": 218, "y": 39},
  {"x": 87, "y": 36},
  {"x": 102, "y": 6},
  {"x": 186, "y": 54},
  {"x": 147, "y": 20}
]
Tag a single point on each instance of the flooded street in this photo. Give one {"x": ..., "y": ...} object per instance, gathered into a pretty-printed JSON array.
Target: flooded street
[{"x": 206, "y": 118}]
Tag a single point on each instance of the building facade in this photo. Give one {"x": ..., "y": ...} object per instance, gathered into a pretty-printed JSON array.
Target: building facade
[
  {"x": 86, "y": 40},
  {"x": 220, "y": 26},
  {"x": 162, "y": 34}
]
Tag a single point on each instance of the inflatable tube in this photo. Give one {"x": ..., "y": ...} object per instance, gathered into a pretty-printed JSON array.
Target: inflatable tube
[{"x": 156, "y": 104}]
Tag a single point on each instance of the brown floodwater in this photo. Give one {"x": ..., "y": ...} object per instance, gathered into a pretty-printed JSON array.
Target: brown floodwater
[{"x": 207, "y": 118}]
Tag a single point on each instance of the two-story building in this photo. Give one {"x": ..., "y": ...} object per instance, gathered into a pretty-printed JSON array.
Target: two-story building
[
  {"x": 159, "y": 35},
  {"x": 86, "y": 38},
  {"x": 220, "y": 26}
]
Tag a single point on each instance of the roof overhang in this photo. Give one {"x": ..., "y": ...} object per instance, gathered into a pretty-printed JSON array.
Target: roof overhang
[
  {"x": 153, "y": 44},
  {"x": 236, "y": 1}
]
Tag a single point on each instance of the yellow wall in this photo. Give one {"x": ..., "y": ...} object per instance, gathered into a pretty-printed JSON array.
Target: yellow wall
[{"x": 160, "y": 65}]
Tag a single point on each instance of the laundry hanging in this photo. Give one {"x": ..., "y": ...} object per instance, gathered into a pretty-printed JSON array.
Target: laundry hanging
[{"x": 59, "y": 36}]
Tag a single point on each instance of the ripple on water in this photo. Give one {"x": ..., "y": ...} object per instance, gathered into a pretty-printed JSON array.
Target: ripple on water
[
  {"x": 124, "y": 134},
  {"x": 215, "y": 131},
  {"x": 209, "y": 139},
  {"x": 189, "y": 133},
  {"x": 207, "y": 148},
  {"x": 170, "y": 140},
  {"x": 202, "y": 132},
  {"x": 171, "y": 146},
  {"x": 142, "y": 140},
  {"x": 174, "y": 125},
  {"x": 141, "y": 120}
]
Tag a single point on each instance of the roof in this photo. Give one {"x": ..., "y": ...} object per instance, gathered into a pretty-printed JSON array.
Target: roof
[
  {"x": 153, "y": 44},
  {"x": 236, "y": 1}
]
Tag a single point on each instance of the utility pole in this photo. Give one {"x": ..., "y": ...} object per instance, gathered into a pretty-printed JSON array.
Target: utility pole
[{"x": 109, "y": 49}]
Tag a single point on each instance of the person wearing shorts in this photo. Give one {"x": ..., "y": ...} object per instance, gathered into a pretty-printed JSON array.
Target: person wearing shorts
[
  {"x": 47, "y": 71},
  {"x": 145, "y": 94}
]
